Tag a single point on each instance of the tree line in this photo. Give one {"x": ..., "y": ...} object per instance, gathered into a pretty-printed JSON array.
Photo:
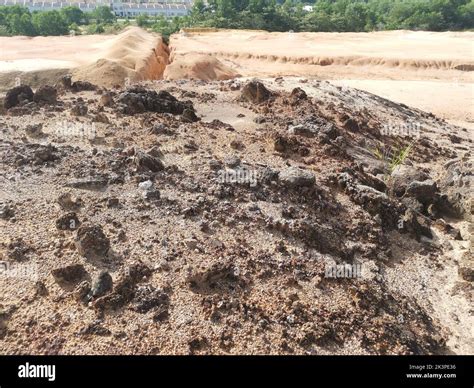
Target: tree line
[
  {"x": 270, "y": 15},
  {"x": 18, "y": 20},
  {"x": 336, "y": 15}
]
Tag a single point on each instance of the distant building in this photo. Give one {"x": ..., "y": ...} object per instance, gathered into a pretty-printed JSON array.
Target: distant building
[
  {"x": 152, "y": 9},
  {"x": 121, "y": 9}
]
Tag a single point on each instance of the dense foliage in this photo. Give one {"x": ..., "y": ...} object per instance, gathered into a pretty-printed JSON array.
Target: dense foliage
[
  {"x": 335, "y": 15},
  {"x": 18, "y": 20},
  {"x": 319, "y": 15}
]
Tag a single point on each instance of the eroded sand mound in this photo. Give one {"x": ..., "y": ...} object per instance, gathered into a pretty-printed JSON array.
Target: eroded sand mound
[
  {"x": 198, "y": 66},
  {"x": 133, "y": 55}
]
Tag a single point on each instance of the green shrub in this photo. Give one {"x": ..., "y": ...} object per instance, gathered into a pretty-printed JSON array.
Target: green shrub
[
  {"x": 95, "y": 29},
  {"x": 49, "y": 23},
  {"x": 271, "y": 15}
]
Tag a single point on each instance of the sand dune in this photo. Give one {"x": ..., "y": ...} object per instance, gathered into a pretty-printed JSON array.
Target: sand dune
[
  {"x": 250, "y": 53},
  {"x": 133, "y": 55}
]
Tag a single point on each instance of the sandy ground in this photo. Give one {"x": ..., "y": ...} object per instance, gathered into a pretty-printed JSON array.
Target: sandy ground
[
  {"x": 426, "y": 70},
  {"x": 105, "y": 60},
  {"x": 21, "y": 53},
  {"x": 406, "y": 48},
  {"x": 452, "y": 101},
  {"x": 419, "y": 69}
]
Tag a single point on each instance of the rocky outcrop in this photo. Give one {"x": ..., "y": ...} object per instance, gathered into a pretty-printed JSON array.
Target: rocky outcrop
[
  {"x": 140, "y": 100},
  {"x": 18, "y": 95}
]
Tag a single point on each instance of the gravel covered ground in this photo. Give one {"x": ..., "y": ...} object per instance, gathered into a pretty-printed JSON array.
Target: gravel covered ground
[{"x": 190, "y": 217}]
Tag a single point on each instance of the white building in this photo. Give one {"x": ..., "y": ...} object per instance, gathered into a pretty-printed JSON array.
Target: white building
[
  {"x": 121, "y": 9},
  {"x": 152, "y": 9}
]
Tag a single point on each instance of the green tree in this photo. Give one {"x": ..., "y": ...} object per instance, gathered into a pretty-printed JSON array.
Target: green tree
[
  {"x": 316, "y": 22},
  {"x": 284, "y": 15},
  {"x": 103, "y": 14},
  {"x": 466, "y": 14},
  {"x": 50, "y": 23},
  {"x": 95, "y": 28},
  {"x": 356, "y": 17},
  {"x": 73, "y": 15},
  {"x": 21, "y": 24},
  {"x": 142, "y": 20}
]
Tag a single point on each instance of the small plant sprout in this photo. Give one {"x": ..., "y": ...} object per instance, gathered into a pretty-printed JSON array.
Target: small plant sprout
[{"x": 392, "y": 156}]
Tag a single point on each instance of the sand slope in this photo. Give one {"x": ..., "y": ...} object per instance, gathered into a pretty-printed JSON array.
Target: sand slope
[
  {"x": 133, "y": 55},
  {"x": 201, "y": 66},
  {"x": 105, "y": 60}
]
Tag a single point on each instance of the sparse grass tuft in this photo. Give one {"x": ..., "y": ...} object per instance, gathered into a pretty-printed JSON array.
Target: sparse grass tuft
[{"x": 392, "y": 156}]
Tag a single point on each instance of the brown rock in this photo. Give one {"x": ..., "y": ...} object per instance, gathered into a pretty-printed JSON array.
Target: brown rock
[
  {"x": 17, "y": 95},
  {"x": 45, "y": 94},
  {"x": 68, "y": 221},
  {"x": 71, "y": 274},
  {"x": 255, "y": 92},
  {"x": 91, "y": 241},
  {"x": 145, "y": 162}
]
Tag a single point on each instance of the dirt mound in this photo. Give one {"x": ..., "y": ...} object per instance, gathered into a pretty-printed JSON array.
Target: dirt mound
[
  {"x": 200, "y": 66},
  {"x": 134, "y": 55},
  {"x": 276, "y": 218}
]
